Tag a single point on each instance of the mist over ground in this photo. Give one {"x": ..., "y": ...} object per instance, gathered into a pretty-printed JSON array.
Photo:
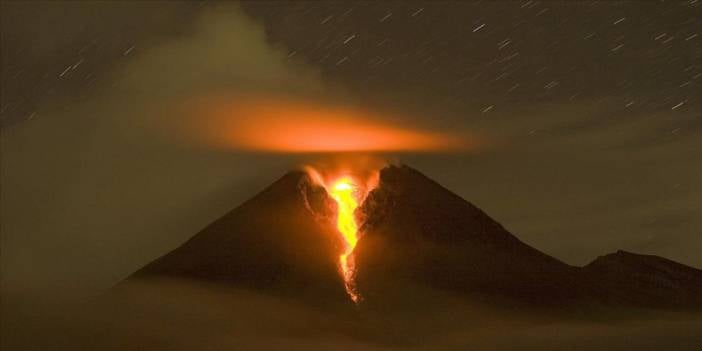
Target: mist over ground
[{"x": 180, "y": 315}]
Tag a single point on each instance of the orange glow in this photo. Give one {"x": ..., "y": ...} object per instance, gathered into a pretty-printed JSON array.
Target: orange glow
[
  {"x": 285, "y": 126},
  {"x": 343, "y": 191},
  {"x": 348, "y": 189}
]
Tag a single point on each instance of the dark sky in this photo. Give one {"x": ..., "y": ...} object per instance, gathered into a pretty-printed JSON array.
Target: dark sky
[{"x": 595, "y": 104}]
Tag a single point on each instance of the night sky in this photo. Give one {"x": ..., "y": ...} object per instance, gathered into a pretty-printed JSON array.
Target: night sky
[{"x": 592, "y": 109}]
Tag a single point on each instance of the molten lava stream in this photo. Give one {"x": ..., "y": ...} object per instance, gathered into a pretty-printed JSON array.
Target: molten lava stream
[{"x": 343, "y": 191}]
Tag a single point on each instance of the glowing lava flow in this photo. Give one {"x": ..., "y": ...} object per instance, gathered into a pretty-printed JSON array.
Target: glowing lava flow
[{"x": 343, "y": 191}]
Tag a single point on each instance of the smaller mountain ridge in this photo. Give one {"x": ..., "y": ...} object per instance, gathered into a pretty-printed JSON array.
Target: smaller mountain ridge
[{"x": 646, "y": 280}]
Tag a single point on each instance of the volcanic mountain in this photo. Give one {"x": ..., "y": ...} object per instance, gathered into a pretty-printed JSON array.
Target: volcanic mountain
[{"x": 414, "y": 233}]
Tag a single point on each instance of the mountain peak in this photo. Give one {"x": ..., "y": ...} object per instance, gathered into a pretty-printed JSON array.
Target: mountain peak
[{"x": 408, "y": 193}]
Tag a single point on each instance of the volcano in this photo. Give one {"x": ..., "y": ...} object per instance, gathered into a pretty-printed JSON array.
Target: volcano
[{"x": 415, "y": 234}]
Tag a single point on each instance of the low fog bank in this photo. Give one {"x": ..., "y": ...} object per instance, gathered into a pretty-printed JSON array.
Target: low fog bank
[{"x": 184, "y": 316}]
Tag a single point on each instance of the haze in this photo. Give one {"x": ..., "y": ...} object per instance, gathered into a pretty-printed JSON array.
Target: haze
[{"x": 576, "y": 125}]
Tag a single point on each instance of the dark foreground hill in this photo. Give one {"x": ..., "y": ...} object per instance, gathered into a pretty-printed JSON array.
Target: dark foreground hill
[{"x": 415, "y": 233}]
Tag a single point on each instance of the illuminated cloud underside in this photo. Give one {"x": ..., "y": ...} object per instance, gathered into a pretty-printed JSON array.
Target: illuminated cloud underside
[{"x": 272, "y": 125}]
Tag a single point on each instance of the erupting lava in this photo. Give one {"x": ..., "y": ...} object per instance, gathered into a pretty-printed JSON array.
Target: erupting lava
[
  {"x": 343, "y": 191},
  {"x": 348, "y": 189}
]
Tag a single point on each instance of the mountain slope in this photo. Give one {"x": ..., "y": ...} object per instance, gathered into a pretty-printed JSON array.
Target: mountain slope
[
  {"x": 279, "y": 241},
  {"x": 417, "y": 231}
]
